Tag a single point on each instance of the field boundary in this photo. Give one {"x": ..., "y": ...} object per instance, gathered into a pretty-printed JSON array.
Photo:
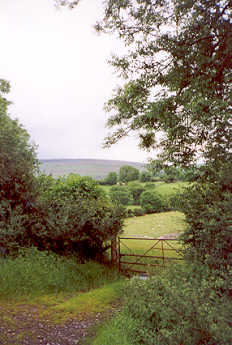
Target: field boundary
[{"x": 118, "y": 256}]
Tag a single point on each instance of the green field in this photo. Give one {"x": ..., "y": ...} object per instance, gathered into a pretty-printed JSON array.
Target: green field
[
  {"x": 155, "y": 225},
  {"x": 163, "y": 188},
  {"x": 159, "y": 226},
  {"x": 166, "y": 189}
]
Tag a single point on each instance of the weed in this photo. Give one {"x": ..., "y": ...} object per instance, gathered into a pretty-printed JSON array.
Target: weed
[{"x": 35, "y": 273}]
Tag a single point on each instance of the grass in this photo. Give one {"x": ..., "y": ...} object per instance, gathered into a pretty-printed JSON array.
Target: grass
[
  {"x": 113, "y": 333},
  {"x": 151, "y": 226},
  {"x": 155, "y": 225},
  {"x": 35, "y": 273},
  {"x": 167, "y": 189},
  {"x": 61, "y": 289},
  {"x": 94, "y": 301}
]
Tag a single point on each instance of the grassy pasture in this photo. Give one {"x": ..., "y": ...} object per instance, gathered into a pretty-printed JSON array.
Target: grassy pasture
[
  {"x": 163, "y": 188},
  {"x": 167, "y": 189},
  {"x": 166, "y": 224}
]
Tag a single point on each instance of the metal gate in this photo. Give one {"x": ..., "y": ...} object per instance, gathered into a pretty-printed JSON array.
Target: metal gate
[{"x": 165, "y": 250}]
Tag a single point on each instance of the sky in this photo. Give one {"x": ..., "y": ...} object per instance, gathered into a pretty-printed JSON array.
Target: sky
[{"x": 60, "y": 79}]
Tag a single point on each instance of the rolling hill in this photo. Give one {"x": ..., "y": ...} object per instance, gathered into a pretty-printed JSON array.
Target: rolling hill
[{"x": 96, "y": 168}]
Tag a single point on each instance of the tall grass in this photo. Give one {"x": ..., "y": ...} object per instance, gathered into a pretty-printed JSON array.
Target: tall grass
[
  {"x": 35, "y": 273},
  {"x": 119, "y": 331}
]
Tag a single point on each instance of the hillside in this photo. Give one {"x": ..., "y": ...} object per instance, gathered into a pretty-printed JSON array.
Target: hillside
[{"x": 96, "y": 168}]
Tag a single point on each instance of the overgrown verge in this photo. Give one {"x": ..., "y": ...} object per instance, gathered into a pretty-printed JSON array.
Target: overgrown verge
[
  {"x": 49, "y": 298},
  {"x": 36, "y": 273},
  {"x": 182, "y": 306}
]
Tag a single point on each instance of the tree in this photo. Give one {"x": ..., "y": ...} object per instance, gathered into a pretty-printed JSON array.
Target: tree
[
  {"x": 111, "y": 178},
  {"x": 151, "y": 201},
  {"x": 17, "y": 167},
  {"x": 145, "y": 176},
  {"x": 121, "y": 195},
  {"x": 178, "y": 93},
  {"x": 128, "y": 173},
  {"x": 136, "y": 190},
  {"x": 178, "y": 72}
]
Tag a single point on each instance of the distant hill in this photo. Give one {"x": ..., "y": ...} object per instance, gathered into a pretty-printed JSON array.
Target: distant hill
[{"x": 96, "y": 168}]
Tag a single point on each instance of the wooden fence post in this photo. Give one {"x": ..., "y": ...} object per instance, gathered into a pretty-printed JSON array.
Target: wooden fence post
[{"x": 114, "y": 255}]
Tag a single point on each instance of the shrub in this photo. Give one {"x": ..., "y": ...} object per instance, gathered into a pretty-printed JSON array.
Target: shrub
[
  {"x": 149, "y": 186},
  {"x": 136, "y": 190},
  {"x": 75, "y": 216},
  {"x": 180, "y": 307},
  {"x": 139, "y": 212},
  {"x": 111, "y": 178},
  {"x": 130, "y": 213},
  {"x": 121, "y": 195},
  {"x": 207, "y": 206},
  {"x": 151, "y": 202},
  {"x": 128, "y": 173},
  {"x": 145, "y": 176},
  {"x": 71, "y": 216}
]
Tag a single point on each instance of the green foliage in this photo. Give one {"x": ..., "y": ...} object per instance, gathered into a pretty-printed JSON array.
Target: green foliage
[
  {"x": 208, "y": 208},
  {"x": 17, "y": 183},
  {"x": 178, "y": 76},
  {"x": 129, "y": 212},
  {"x": 111, "y": 178},
  {"x": 121, "y": 195},
  {"x": 135, "y": 212},
  {"x": 136, "y": 190},
  {"x": 75, "y": 216},
  {"x": 145, "y": 176},
  {"x": 113, "y": 332},
  {"x": 138, "y": 212},
  {"x": 149, "y": 185},
  {"x": 36, "y": 273},
  {"x": 182, "y": 306},
  {"x": 151, "y": 201},
  {"x": 128, "y": 173}
]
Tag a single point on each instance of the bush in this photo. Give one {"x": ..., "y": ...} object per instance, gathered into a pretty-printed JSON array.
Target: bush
[
  {"x": 111, "y": 179},
  {"x": 71, "y": 216},
  {"x": 151, "y": 202},
  {"x": 130, "y": 213},
  {"x": 128, "y": 173},
  {"x": 149, "y": 186},
  {"x": 121, "y": 195},
  {"x": 180, "y": 307},
  {"x": 207, "y": 206},
  {"x": 139, "y": 212},
  {"x": 136, "y": 190},
  {"x": 145, "y": 176}
]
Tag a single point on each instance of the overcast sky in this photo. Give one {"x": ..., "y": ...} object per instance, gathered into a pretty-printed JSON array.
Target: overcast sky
[{"x": 60, "y": 79}]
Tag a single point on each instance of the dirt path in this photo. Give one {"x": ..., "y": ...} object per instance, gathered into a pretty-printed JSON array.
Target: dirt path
[{"x": 23, "y": 325}]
